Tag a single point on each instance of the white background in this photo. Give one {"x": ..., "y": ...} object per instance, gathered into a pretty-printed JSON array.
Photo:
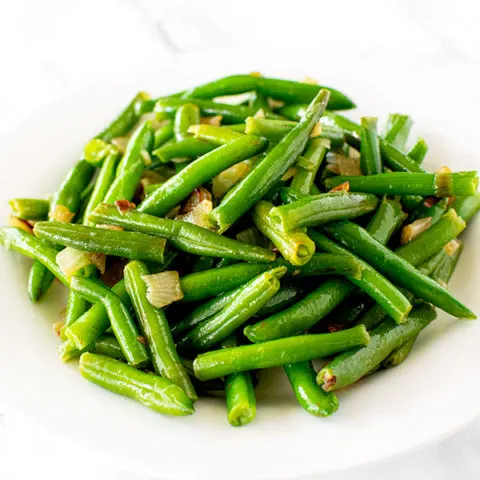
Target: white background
[{"x": 50, "y": 47}]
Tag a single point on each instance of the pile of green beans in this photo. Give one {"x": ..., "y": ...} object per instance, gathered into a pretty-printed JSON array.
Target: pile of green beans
[{"x": 202, "y": 241}]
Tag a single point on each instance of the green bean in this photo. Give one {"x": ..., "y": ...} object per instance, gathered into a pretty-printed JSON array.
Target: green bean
[
  {"x": 386, "y": 220},
  {"x": 127, "y": 119},
  {"x": 215, "y": 135},
  {"x": 29, "y": 208},
  {"x": 259, "y": 101},
  {"x": 358, "y": 241},
  {"x": 132, "y": 245},
  {"x": 398, "y": 129},
  {"x": 317, "y": 209},
  {"x": 349, "y": 367},
  {"x": 182, "y": 235},
  {"x": 154, "y": 325},
  {"x": 203, "y": 262},
  {"x": 302, "y": 315},
  {"x": 26, "y": 244},
  {"x": 218, "y": 363},
  {"x": 239, "y": 394},
  {"x": 68, "y": 196},
  {"x": 411, "y": 202},
  {"x": 96, "y": 151},
  {"x": 275, "y": 130},
  {"x": 209, "y": 283},
  {"x": 94, "y": 322},
  {"x": 286, "y": 90},
  {"x": 248, "y": 301},
  {"x": 229, "y": 113},
  {"x": 64, "y": 205},
  {"x": 434, "y": 211},
  {"x": 131, "y": 166},
  {"x": 163, "y": 134},
  {"x": 443, "y": 184},
  {"x": 188, "y": 149},
  {"x": 467, "y": 207},
  {"x": 433, "y": 239},
  {"x": 315, "y": 306},
  {"x": 154, "y": 392},
  {"x": 104, "y": 180},
  {"x": 39, "y": 281},
  {"x": 327, "y": 264},
  {"x": 313, "y": 399},
  {"x": 371, "y": 281},
  {"x": 370, "y": 160},
  {"x": 185, "y": 116},
  {"x": 441, "y": 274},
  {"x": 105, "y": 345},
  {"x": 304, "y": 179},
  {"x": 295, "y": 246},
  {"x": 198, "y": 172},
  {"x": 418, "y": 151},
  {"x": 398, "y": 160},
  {"x": 202, "y": 312},
  {"x": 270, "y": 170},
  {"x": 108, "y": 345},
  {"x": 444, "y": 270},
  {"x": 121, "y": 321},
  {"x": 400, "y": 354},
  {"x": 391, "y": 156},
  {"x": 286, "y": 296},
  {"x": 376, "y": 314},
  {"x": 294, "y": 112},
  {"x": 76, "y": 307}
]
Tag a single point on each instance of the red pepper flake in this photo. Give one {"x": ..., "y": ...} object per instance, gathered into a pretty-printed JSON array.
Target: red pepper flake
[
  {"x": 124, "y": 206},
  {"x": 430, "y": 201},
  {"x": 335, "y": 327}
]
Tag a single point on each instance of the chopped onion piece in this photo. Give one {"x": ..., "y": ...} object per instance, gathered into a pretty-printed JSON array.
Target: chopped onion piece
[
  {"x": 70, "y": 260},
  {"x": 291, "y": 172},
  {"x": 57, "y": 327},
  {"x": 120, "y": 143},
  {"x": 343, "y": 165},
  {"x": 197, "y": 196},
  {"x": 343, "y": 187},
  {"x": 146, "y": 158},
  {"x": 225, "y": 180},
  {"x": 61, "y": 214},
  {"x": 198, "y": 215},
  {"x": 316, "y": 130},
  {"x": 272, "y": 103},
  {"x": 152, "y": 117},
  {"x": 237, "y": 99},
  {"x": 309, "y": 80},
  {"x": 452, "y": 246},
  {"x": 163, "y": 288},
  {"x": 173, "y": 212},
  {"x": 16, "y": 222},
  {"x": 99, "y": 260},
  {"x": 414, "y": 229},
  {"x": 259, "y": 114},
  {"x": 251, "y": 236},
  {"x": 215, "y": 120}
]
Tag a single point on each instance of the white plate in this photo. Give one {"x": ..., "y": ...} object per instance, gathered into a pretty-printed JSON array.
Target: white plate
[{"x": 434, "y": 393}]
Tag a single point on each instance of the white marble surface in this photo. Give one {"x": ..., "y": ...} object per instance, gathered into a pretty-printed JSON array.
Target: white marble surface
[{"x": 51, "y": 47}]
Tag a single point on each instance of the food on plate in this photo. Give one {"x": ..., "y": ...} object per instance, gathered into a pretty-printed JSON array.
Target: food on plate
[{"x": 240, "y": 225}]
